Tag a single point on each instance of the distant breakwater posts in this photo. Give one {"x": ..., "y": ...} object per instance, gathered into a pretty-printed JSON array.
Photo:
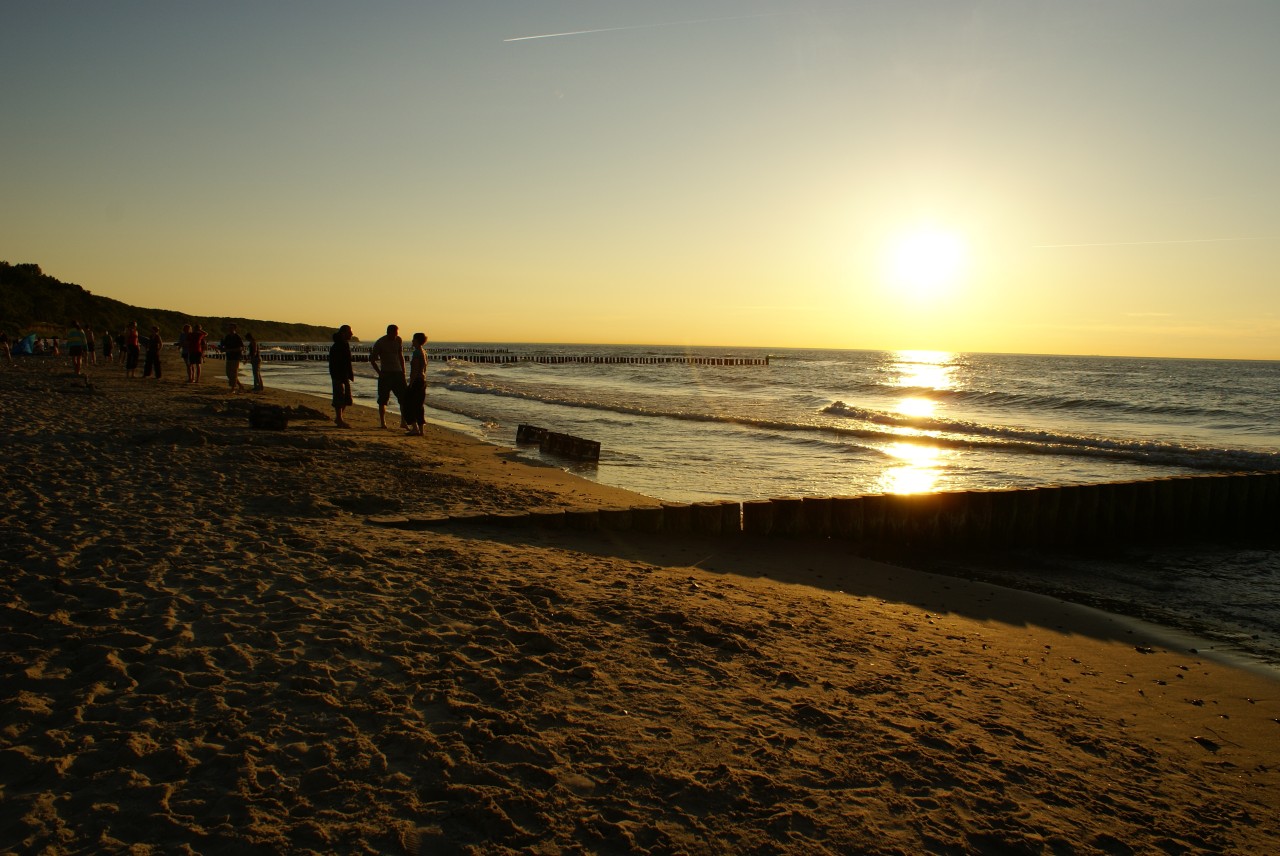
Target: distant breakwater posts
[
  {"x": 1205, "y": 507},
  {"x": 319, "y": 354}
]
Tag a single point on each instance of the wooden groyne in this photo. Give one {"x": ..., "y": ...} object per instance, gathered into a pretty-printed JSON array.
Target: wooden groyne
[
  {"x": 1207, "y": 507},
  {"x": 601, "y": 359},
  {"x": 361, "y": 354},
  {"x": 556, "y": 443}
]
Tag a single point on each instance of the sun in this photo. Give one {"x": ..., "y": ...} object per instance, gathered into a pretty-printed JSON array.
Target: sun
[{"x": 926, "y": 260}]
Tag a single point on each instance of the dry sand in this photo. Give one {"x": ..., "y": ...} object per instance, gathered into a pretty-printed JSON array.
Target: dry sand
[{"x": 209, "y": 648}]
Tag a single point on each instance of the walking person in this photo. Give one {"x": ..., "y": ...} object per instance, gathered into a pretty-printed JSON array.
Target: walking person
[
  {"x": 89, "y": 353},
  {"x": 75, "y": 347},
  {"x": 341, "y": 373},
  {"x": 414, "y": 410},
  {"x": 154, "y": 344},
  {"x": 233, "y": 347},
  {"x": 255, "y": 361},
  {"x": 107, "y": 342},
  {"x": 387, "y": 360}
]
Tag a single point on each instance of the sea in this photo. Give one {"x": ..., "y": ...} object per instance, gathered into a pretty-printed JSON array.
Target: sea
[{"x": 701, "y": 423}]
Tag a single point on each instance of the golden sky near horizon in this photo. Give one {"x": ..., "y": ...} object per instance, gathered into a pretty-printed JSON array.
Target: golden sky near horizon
[{"x": 1049, "y": 177}]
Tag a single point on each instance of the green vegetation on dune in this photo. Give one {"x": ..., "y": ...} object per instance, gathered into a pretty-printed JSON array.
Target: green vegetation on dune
[{"x": 31, "y": 301}]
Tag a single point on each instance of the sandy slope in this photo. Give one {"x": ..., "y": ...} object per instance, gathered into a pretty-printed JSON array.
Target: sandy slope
[{"x": 207, "y": 647}]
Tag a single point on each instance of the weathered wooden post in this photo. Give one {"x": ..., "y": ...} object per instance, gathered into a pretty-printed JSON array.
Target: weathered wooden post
[
  {"x": 1064, "y": 527},
  {"x": 582, "y": 519},
  {"x": 707, "y": 518},
  {"x": 1124, "y": 506},
  {"x": 846, "y": 517},
  {"x": 757, "y": 517},
  {"x": 615, "y": 519},
  {"x": 730, "y": 517},
  {"x": 677, "y": 517},
  {"x": 816, "y": 514},
  {"x": 1215, "y": 514},
  {"x": 646, "y": 518},
  {"x": 1086, "y": 514},
  {"x": 1238, "y": 503},
  {"x": 1144, "y": 507},
  {"x": 788, "y": 515},
  {"x": 1003, "y": 512},
  {"x": 978, "y": 512},
  {"x": 874, "y": 507},
  {"x": 550, "y": 518}
]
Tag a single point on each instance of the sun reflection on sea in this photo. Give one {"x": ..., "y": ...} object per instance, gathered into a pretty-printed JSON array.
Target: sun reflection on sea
[
  {"x": 924, "y": 369},
  {"x": 918, "y": 471},
  {"x": 916, "y": 406}
]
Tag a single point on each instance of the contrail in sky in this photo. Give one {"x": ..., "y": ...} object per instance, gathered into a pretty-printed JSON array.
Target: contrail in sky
[
  {"x": 1146, "y": 243},
  {"x": 641, "y": 27}
]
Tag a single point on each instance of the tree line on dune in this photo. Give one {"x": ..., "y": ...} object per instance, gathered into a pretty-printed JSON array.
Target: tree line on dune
[{"x": 31, "y": 301}]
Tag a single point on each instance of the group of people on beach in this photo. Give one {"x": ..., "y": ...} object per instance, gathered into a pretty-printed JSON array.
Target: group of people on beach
[
  {"x": 387, "y": 360},
  {"x": 132, "y": 347},
  {"x": 236, "y": 349}
]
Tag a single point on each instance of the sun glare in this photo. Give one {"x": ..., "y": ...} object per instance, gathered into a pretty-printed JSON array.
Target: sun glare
[
  {"x": 925, "y": 261},
  {"x": 918, "y": 472}
]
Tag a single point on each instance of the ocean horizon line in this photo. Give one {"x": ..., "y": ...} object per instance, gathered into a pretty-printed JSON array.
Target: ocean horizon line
[{"x": 778, "y": 349}]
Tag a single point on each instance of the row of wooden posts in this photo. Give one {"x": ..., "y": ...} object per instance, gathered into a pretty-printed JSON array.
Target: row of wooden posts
[
  {"x": 319, "y": 356},
  {"x": 1208, "y": 507}
]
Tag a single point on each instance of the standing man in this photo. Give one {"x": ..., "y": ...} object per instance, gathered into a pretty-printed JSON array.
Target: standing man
[
  {"x": 154, "y": 343},
  {"x": 233, "y": 346},
  {"x": 387, "y": 359},
  {"x": 195, "y": 353},
  {"x": 130, "y": 347},
  {"x": 341, "y": 373}
]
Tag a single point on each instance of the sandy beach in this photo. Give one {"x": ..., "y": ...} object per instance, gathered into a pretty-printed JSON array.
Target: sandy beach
[{"x": 213, "y": 642}]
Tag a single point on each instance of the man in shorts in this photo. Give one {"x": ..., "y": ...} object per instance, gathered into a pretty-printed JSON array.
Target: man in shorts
[
  {"x": 387, "y": 359},
  {"x": 195, "y": 353}
]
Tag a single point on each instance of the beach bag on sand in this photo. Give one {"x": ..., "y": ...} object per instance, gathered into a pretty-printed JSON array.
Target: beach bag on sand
[{"x": 269, "y": 417}]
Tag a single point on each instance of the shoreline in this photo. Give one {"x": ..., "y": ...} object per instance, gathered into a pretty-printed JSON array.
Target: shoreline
[
  {"x": 1073, "y": 576},
  {"x": 207, "y": 645}
]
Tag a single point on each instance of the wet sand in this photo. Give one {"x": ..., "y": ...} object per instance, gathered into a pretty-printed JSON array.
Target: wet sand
[{"x": 210, "y": 645}]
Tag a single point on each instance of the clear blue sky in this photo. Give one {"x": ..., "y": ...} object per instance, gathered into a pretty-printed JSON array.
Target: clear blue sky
[{"x": 1097, "y": 177}]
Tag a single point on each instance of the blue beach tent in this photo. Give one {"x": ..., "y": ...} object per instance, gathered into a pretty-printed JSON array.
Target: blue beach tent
[{"x": 25, "y": 346}]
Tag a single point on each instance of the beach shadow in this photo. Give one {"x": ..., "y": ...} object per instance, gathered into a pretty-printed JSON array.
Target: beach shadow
[{"x": 836, "y": 568}]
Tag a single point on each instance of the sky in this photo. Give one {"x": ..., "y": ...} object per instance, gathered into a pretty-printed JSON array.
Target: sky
[{"x": 1034, "y": 176}]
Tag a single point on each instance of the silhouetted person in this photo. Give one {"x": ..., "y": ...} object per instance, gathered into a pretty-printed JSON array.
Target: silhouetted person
[
  {"x": 76, "y": 346},
  {"x": 195, "y": 353},
  {"x": 387, "y": 359},
  {"x": 233, "y": 347},
  {"x": 341, "y": 373},
  {"x": 414, "y": 411},
  {"x": 131, "y": 349},
  {"x": 255, "y": 361},
  {"x": 154, "y": 344}
]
